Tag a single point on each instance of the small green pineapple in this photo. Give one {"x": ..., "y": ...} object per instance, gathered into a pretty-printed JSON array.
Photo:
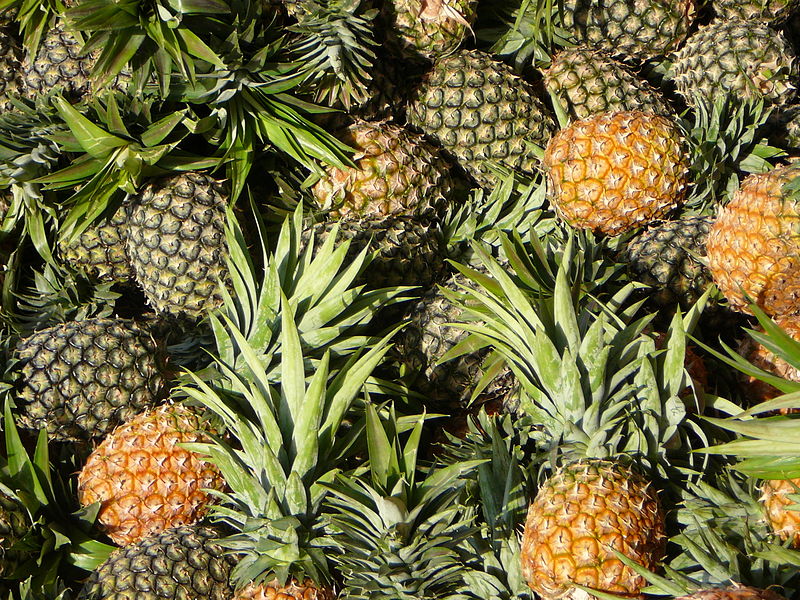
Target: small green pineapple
[
  {"x": 743, "y": 57},
  {"x": 590, "y": 81},
  {"x": 100, "y": 250},
  {"x": 14, "y": 524}
]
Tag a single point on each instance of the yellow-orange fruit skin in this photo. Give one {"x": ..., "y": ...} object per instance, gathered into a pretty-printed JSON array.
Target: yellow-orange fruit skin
[
  {"x": 578, "y": 516},
  {"x": 776, "y": 501},
  {"x": 753, "y": 247},
  {"x": 293, "y": 590},
  {"x": 733, "y": 593},
  {"x": 144, "y": 480},
  {"x": 760, "y": 391},
  {"x": 615, "y": 171}
]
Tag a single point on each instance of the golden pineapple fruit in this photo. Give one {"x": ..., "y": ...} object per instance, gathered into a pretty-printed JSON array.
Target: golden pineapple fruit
[
  {"x": 145, "y": 480},
  {"x": 615, "y": 171},
  {"x": 580, "y": 514},
  {"x": 294, "y": 590},
  {"x": 753, "y": 247},
  {"x": 761, "y": 357},
  {"x": 783, "y": 520}
]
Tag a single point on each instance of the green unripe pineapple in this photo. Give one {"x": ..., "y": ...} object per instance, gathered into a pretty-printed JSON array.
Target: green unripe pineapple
[
  {"x": 80, "y": 379},
  {"x": 634, "y": 30},
  {"x": 589, "y": 82},
  {"x": 410, "y": 251},
  {"x": 665, "y": 256},
  {"x": 773, "y": 11},
  {"x": 10, "y": 57},
  {"x": 100, "y": 250},
  {"x": 183, "y": 563},
  {"x": 58, "y": 64},
  {"x": 478, "y": 110},
  {"x": 745, "y": 58},
  {"x": 428, "y": 337},
  {"x": 176, "y": 243},
  {"x": 429, "y": 28},
  {"x": 14, "y": 524}
]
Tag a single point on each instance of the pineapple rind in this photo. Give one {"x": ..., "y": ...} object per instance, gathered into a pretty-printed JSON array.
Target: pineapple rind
[
  {"x": 478, "y": 110},
  {"x": 184, "y": 563},
  {"x": 581, "y": 513},
  {"x": 145, "y": 480},
  {"x": 745, "y": 58},
  {"x": 80, "y": 379},
  {"x": 176, "y": 243}
]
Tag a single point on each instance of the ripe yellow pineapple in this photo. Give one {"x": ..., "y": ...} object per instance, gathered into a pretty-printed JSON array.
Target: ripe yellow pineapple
[
  {"x": 583, "y": 511},
  {"x": 761, "y": 357},
  {"x": 753, "y": 247},
  {"x": 145, "y": 481},
  {"x": 293, "y": 590},
  {"x": 777, "y": 501},
  {"x": 615, "y": 171}
]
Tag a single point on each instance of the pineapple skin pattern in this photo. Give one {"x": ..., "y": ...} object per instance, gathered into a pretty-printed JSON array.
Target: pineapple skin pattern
[{"x": 578, "y": 515}]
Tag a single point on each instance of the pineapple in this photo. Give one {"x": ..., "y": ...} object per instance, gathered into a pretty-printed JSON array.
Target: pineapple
[
  {"x": 634, "y": 30},
  {"x": 752, "y": 247},
  {"x": 615, "y": 171},
  {"x": 176, "y": 243},
  {"x": 780, "y": 499},
  {"x": 776, "y": 12},
  {"x": 428, "y": 337},
  {"x": 479, "y": 111},
  {"x": 14, "y": 524},
  {"x": 580, "y": 513},
  {"x": 145, "y": 480},
  {"x": 396, "y": 173},
  {"x": 568, "y": 354},
  {"x": 80, "y": 379},
  {"x": 10, "y": 56},
  {"x": 429, "y": 28},
  {"x": 665, "y": 256},
  {"x": 58, "y": 63},
  {"x": 182, "y": 563},
  {"x": 743, "y": 57},
  {"x": 408, "y": 251},
  {"x": 589, "y": 81},
  {"x": 738, "y": 592},
  {"x": 100, "y": 250},
  {"x": 759, "y": 356}
]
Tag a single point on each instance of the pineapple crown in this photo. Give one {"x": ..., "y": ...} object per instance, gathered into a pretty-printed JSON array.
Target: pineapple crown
[
  {"x": 333, "y": 41},
  {"x": 588, "y": 370},
  {"x": 285, "y": 439},
  {"x": 725, "y": 138},
  {"x": 331, "y": 312},
  {"x": 399, "y": 532}
]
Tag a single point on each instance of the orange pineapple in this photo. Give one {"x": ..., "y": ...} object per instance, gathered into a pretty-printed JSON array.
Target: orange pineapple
[
  {"x": 145, "y": 481},
  {"x": 761, "y": 357},
  {"x": 785, "y": 521},
  {"x": 583, "y": 511},
  {"x": 615, "y": 171},
  {"x": 753, "y": 247},
  {"x": 293, "y": 590}
]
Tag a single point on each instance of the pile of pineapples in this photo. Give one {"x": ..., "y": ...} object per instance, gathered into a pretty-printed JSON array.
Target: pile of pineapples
[{"x": 403, "y": 299}]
